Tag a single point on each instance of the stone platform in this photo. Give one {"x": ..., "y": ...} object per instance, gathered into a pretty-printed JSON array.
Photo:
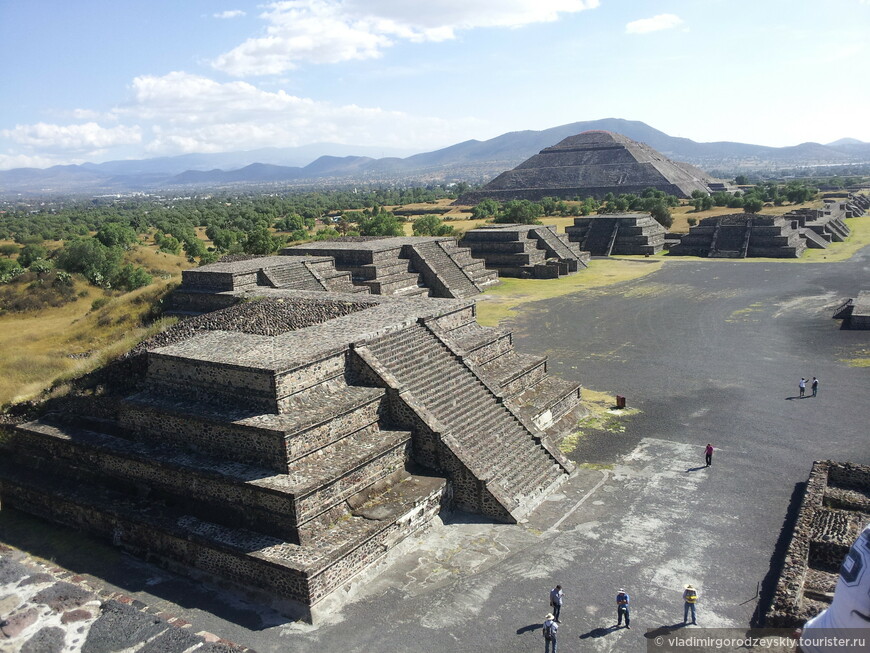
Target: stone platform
[
  {"x": 289, "y": 442},
  {"x": 834, "y": 511},
  {"x": 404, "y": 266},
  {"x": 742, "y": 235},
  {"x": 625, "y": 234},
  {"x": 525, "y": 251}
]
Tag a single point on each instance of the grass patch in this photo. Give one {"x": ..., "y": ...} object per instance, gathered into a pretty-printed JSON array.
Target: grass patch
[
  {"x": 745, "y": 314},
  {"x": 595, "y": 466},
  {"x": 858, "y": 358},
  {"x": 601, "y": 416},
  {"x": 501, "y": 303},
  {"x": 51, "y": 346}
]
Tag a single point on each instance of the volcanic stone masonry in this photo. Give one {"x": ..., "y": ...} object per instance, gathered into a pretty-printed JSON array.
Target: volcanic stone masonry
[
  {"x": 855, "y": 313},
  {"x": 286, "y": 443},
  {"x": 739, "y": 235},
  {"x": 592, "y": 164},
  {"x": 834, "y": 511},
  {"x": 525, "y": 251},
  {"x": 405, "y": 266},
  {"x": 627, "y": 233}
]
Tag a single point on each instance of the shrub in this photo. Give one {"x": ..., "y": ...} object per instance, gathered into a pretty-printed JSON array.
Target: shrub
[{"x": 431, "y": 225}]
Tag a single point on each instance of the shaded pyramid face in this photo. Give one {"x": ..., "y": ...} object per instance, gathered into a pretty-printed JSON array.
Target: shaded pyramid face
[{"x": 593, "y": 164}]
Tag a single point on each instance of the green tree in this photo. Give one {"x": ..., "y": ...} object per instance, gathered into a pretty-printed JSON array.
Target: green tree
[
  {"x": 113, "y": 234},
  {"x": 130, "y": 277},
  {"x": 431, "y": 225},
  {"x": 31, "y": 253},
  {"x": 662, "y": 214},
  {"x": 261, "y": 241},
  {"x": 752, "y": 204},
  {"x": 741, "y": 180},
  {"x": 8, "y": 249},
  {"x": 91, "y": 258},
  {"x": 486, "y": 209},
  {"x": 381, "y": 224},
  {"x": 520, "y": 212}
]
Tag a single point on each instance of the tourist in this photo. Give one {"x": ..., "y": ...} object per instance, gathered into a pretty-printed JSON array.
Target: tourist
[
  {"x": 556, "y": 596},
  {"x": 708, "y": 454},
  {"x": 622, "y": 609},
  {"x": 690, "y": 597},
  {"x": 815, "y": 386},
  {"x": 849, "y": 612},
  {"x": 550, "y": 628},
  {"x": 802, "y": 386}
]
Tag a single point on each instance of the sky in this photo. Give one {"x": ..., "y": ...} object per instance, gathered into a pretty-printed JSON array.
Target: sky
[{"x": 100, "y": 80}]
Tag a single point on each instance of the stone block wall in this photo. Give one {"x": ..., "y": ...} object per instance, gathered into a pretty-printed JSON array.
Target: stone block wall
[{"x": 833, "y": 512}]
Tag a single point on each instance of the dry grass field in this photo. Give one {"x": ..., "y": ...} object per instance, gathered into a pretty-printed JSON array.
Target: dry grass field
[
  {"x": 41, "y": 349},
  {"x": 45, "y": 347}
]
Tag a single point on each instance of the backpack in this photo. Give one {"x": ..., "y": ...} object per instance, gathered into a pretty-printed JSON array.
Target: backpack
[{"x": 549, "y": 629}]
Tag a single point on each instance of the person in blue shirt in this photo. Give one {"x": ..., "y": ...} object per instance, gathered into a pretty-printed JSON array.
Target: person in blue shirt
[{"x": 622, "y": 609}]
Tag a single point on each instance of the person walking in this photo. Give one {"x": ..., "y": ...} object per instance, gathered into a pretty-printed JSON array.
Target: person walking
[
  {"x": 690, "y": 597},
  {"x": 556, "y": 597},
  {"x": 708, "y": 455},
  {"x": 802, "y": 386},
  {"x": 815, "y": 386},
  {"x": 550, "y": 630},
  {"x": 622, "y": 609}
]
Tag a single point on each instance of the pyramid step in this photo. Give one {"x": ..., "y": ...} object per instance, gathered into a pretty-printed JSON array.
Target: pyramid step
[{"x": 304, "y": 574}]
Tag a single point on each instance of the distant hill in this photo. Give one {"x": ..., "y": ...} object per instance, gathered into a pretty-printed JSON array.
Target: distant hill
[{"x": 473, "y": 160}]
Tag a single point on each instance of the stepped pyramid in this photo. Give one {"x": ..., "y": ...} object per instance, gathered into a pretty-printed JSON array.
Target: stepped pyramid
[
  {"x": 593, "y": 164},
  {"x": 288, "y": 442}
]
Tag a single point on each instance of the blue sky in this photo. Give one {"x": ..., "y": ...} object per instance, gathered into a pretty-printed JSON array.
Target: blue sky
[{"x": 97, "y": 80}]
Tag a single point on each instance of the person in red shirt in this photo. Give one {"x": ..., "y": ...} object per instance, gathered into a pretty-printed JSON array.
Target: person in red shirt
[{"x": 708, "y": 454}]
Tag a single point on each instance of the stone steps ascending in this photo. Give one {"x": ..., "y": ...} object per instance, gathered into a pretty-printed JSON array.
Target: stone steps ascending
[
  {"x": 502, "y": 449},
  {"x": 301, "y": 574},
  {"x": 283, "y": 505}
]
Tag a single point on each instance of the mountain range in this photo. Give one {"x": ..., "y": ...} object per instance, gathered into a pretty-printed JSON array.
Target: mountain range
[{"x": 332, "y": 164}]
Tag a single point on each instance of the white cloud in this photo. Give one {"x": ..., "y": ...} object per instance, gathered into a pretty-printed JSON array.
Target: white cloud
[
  {"x": 654, "y": 24},
  {"x": 192, "y": 113},
  {"x": 330, "y": 31},
  {"x": 83, "y": 137},
  {"x": 232, "y": 13}
]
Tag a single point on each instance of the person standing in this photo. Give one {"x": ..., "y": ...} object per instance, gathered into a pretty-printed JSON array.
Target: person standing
[
  {"x": 802, "y": 387},
  {"x": 708, "y": 454},
  {"x": 556, "y": 596},
  {"x": 622, "y": 609},
  {"x": 815, "y": 386},
  {"x": 690, "y": 597},
  {"x": 550, "y": 630}
]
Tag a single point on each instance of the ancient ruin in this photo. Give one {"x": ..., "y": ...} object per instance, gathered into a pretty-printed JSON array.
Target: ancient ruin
[
  {"x": 592, "y": 164},
  {"x": 289, "y": 441},
  {"x": 855, "y": 313},
  {"x": 741, "y": 235},
  {"x": 628, "y": 233},
  {"x": 525, "y": 251},
  {"x": 834, "y": 511},
  {"x": 406, "y": 266}
]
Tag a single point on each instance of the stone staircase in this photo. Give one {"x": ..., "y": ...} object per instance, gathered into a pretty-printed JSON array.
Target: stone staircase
[
  {"x": 441, "y": 271},
  {"x": 515, "y": 465},
  {"x": 552, "y": 404},
  {"x": 618, "y": 234},
  {"x": 291, "y": 276},
  {"x": 524, "y": 251},
  {"x": 742, "y": 235},
  {"x": 296, "y": 501},
  {"x": 559, "y": 247}
]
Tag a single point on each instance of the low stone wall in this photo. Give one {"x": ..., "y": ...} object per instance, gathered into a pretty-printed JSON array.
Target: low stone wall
[{"x": 828, "y": 523}]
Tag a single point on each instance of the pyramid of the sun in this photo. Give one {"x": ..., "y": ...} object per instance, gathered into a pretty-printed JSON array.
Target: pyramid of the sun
[{"x": 593, "y": 164}]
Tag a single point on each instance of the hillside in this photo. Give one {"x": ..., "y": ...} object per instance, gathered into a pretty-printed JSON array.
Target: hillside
[{"x": 472, "y": 160}]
